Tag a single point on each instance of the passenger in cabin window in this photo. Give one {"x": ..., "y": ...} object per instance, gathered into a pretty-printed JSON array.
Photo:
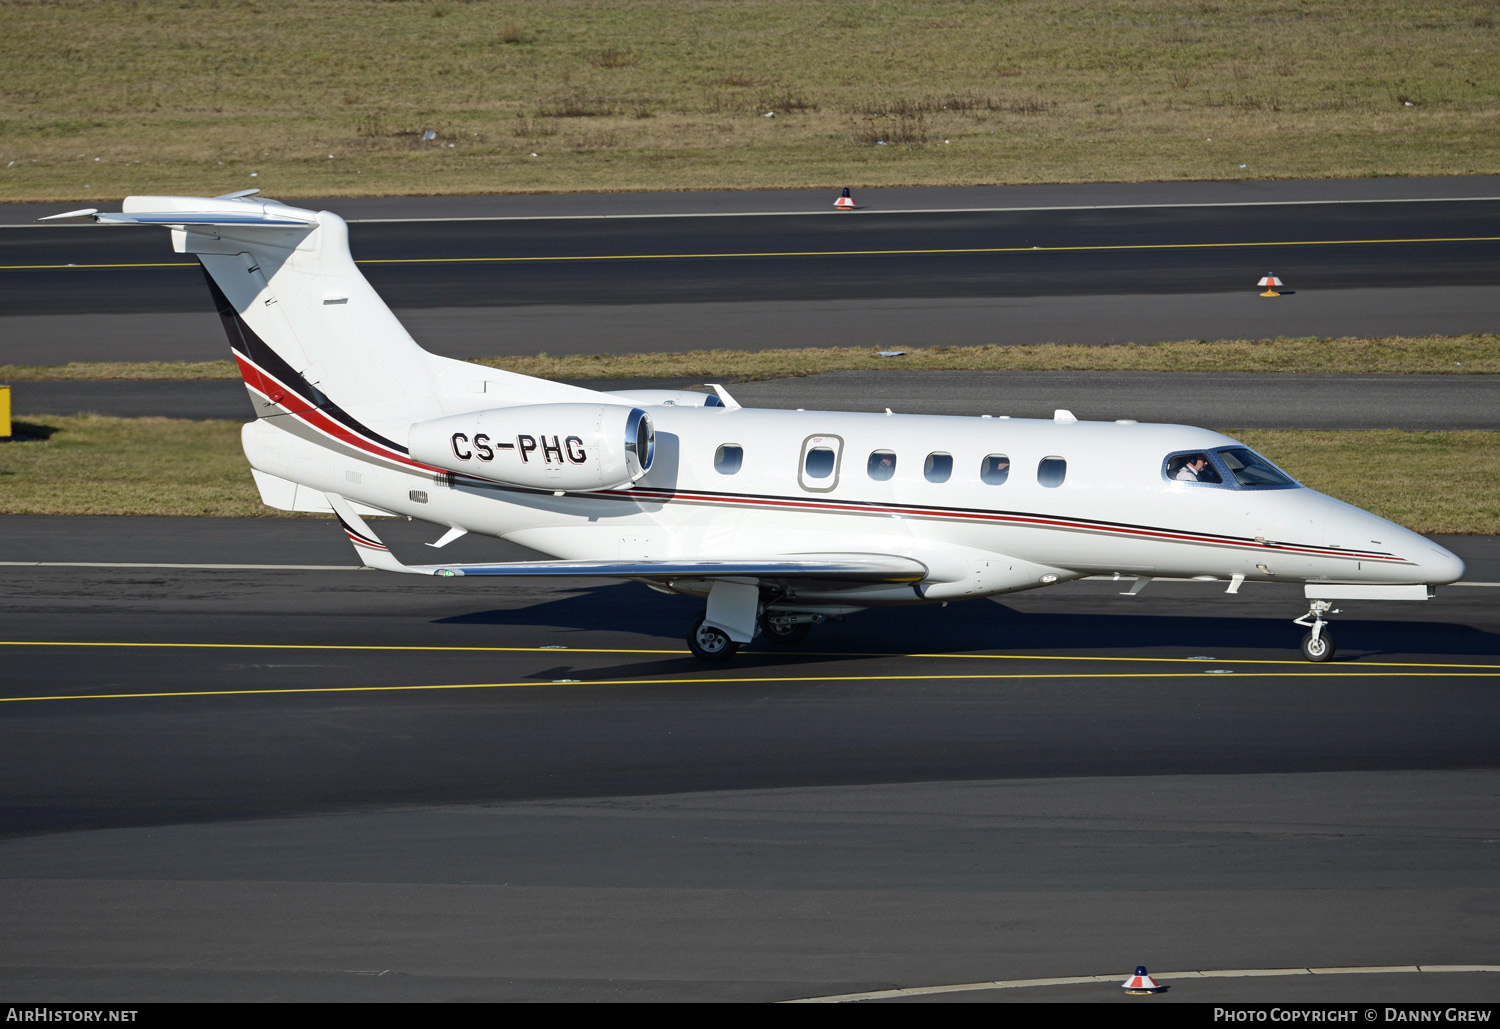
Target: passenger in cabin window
[
  {"x": 882, "y": 465},
  {"x": 995, "y": 470}
]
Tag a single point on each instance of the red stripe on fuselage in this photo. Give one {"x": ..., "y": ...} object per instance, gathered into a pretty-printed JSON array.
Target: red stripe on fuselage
[
  {"x": 963, "y": 514},
  {"x": 268, "y": 386}
]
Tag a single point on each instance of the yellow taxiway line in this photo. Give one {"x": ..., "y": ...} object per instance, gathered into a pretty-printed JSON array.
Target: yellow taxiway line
[
  {"x": 386, "y": 647},
  {"x": 935, "y": 251},
  {"x": 826, "y": 253},
  {"x": 734, "y": 681},
  {"x": 1337, "y": 672}
]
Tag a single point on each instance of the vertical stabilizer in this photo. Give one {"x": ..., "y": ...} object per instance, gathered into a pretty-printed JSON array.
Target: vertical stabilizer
[
  {"x": 307, "y": 330},
  {"x": 320, "y": 352}
]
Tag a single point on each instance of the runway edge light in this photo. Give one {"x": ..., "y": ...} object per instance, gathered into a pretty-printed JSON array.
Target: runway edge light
[
  {"x": 1270, "y": 282},
  {"x": 1141, "y": 983},
  {"x": 845, "y": 202}
]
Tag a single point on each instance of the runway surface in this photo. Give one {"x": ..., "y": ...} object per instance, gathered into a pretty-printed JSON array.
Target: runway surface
[
  {"x": 812, "y": 257},
  {"x": 747, "y": 271},
  {"x": 334, "y": 784}
]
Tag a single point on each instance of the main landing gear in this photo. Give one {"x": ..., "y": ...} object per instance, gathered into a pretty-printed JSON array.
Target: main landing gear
[
  {"x": 1317, "y": 645},
  {"x": 709, "y": 643},
  {"x": 785, "y": 630}
]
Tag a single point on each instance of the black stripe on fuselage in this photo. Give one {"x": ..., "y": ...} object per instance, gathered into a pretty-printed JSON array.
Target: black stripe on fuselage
[
  {"x": 244, "y": 341},
  {"x": 883, "y": 509}
]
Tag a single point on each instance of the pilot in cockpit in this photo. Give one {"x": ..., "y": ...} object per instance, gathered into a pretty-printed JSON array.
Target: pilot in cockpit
[{"x": 1195, "y": 468}]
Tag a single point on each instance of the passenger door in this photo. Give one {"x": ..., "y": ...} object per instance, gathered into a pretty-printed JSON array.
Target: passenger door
[{"x": 818, "y": 465}]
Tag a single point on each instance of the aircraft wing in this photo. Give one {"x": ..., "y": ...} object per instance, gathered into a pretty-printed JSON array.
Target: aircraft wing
[
  {"x": 863, "y": 568},
  {"x": 838, "y": 568}
]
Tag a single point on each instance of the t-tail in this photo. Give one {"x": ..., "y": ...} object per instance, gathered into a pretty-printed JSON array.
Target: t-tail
[{"x": 313, "y": 340}]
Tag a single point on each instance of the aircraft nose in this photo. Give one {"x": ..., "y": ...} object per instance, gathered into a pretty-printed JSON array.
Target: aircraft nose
[
  {"x": 1441, "y": 565},
  {"x": 1351, "y": 528}
]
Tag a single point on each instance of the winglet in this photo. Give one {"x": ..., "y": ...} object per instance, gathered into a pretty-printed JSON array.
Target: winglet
[{"x": 367, "y": 545}]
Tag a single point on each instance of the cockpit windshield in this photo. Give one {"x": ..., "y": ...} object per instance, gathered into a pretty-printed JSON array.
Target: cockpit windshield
[
  {"x": 1250, "y": 469},
  {"x": 1227, "y": 468}
]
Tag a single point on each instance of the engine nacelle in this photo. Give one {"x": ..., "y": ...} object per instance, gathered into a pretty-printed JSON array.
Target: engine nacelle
[
  {"x": 668, "y": 397},
  {"x": 573, "y": 447}
]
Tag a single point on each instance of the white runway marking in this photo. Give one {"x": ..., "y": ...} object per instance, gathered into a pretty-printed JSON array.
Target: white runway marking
[
  {"x": 1118, "y": 978},
  {"x": 147, "y": 564},
  {"x": 918, "y": 210}
]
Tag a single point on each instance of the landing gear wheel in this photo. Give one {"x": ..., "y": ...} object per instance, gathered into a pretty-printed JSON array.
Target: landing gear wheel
[
  {"x": 1318, "y": 644},
  {"x": 1320, "y": 649},
  {"x": 710, "y": 644},
  {"x": 785, "y": 634}
]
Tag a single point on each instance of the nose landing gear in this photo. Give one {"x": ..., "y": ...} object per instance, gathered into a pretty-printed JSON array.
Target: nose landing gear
[{"x": 1317, "y": 645}]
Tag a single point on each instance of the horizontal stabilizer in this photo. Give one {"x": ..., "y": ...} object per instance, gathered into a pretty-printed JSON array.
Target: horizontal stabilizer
[
  {"x": 170, "y": 211},
  {"x": 87, "y": 212}
]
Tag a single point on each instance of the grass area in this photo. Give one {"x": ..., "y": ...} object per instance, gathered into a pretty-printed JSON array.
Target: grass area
[
  {"x": 338, "y": 97},
  {"x": 123, "y": 466},
  {"x": 93, "y": 465},
  {"x": 1433, "y": 482},
  {"x": 132, "y": 370},
  {"x": 1472, "y": 354},
  {"x": 1428, "y": 355}
]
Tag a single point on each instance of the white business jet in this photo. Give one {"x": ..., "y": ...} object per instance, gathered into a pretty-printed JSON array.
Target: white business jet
[{"x": 779, "y": 519}]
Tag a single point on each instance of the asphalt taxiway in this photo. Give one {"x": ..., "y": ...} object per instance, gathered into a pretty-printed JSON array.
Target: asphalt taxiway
[{"x": 238, "y": 767}]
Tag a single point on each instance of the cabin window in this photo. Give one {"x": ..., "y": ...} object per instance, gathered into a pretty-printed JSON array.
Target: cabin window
[
  {"x": 882, "y": 465},
  {"x": 938, "y": 467},
  {"x": 728, "y": 458},
  {"x": 819, "y": 463},
  {"x": 1192, "y": 467},
  {"x": 994, "y": 469},
  {"x": 1250, "y": 469},
  {"x": 1051, "y": 471}
]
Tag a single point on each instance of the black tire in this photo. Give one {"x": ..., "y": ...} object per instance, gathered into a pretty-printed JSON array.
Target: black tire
[
  {"x": 710, "y": 644},
  {"x": 1320, "y": 650},
  {"x": 787, "y": 634}
]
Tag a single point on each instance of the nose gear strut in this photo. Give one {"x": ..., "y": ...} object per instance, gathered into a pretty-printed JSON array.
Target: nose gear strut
[{"x": 1317, "y": 645}]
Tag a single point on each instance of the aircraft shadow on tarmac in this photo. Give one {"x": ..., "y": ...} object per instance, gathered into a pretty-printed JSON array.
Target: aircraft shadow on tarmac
[{"x": 994, "y": 626}]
